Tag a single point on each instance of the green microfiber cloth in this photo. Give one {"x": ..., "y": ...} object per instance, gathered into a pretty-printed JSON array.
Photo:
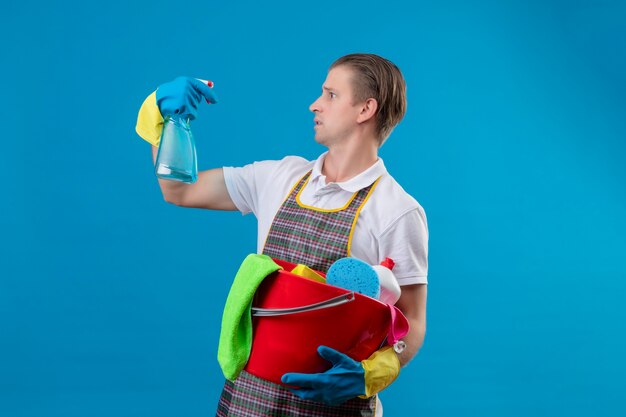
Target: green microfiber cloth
[{"x": 236, "y": 333}]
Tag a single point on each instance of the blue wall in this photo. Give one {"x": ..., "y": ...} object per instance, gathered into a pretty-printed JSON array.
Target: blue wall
[{"x": 111, "y": 299}]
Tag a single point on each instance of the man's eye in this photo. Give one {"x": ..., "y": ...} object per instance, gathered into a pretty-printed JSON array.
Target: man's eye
[{"x": 332, "y": 95}]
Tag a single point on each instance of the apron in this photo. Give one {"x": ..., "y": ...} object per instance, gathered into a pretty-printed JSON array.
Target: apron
[{"x": 316, "y": 238}]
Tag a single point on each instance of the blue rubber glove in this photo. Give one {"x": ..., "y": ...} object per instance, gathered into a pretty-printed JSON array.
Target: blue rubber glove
[
  {"x": 344, "y": 381},
  {"x": 347, "y": 378},
  {"x": 182, "y": 96}
]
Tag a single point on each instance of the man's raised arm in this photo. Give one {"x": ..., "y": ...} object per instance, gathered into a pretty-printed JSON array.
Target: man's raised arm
[{"x": 182, "y": 97}]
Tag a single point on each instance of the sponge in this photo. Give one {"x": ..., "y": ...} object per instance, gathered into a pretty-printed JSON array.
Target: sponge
[
  {"x": 306, "y": 272},
  {"x": 354, "y": 275}
]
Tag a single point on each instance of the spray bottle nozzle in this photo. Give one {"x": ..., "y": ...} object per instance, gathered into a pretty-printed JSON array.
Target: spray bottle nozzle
[{"x": 209, "y": 83}]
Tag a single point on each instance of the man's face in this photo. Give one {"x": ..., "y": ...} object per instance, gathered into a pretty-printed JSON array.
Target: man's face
[{"x": 335, "y": 111}]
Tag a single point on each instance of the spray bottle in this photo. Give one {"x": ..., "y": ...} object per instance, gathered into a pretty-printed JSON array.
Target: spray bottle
[
  {"x": 177, "y": 159},
  {"x": 389, "y": 287}
]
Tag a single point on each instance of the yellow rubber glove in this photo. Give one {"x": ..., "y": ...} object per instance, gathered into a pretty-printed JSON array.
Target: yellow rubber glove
[{"x": 381, "y": 369}]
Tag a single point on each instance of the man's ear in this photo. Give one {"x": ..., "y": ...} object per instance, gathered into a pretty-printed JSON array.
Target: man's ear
[{"x": 368, "y": 110}]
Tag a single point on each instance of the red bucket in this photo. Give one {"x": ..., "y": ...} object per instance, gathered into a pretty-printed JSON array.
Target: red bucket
[{"x": 351, "y": 323}]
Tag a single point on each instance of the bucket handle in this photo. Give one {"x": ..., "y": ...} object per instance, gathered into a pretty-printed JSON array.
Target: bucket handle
[{"x": 331, "y": 302}]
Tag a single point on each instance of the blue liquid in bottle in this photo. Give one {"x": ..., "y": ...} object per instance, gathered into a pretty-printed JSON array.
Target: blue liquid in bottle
[{"x": 176, "y": 159}]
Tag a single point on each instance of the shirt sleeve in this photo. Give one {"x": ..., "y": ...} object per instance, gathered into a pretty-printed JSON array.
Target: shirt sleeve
[
  {"x": 245, "y": 184},
  {"x": 406, "y": 242}
]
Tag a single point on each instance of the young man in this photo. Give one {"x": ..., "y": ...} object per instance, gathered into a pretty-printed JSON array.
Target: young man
[{"x": 345, "y": 203}]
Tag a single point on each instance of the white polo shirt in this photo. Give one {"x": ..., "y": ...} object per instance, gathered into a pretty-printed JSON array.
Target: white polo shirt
[{"x": 391, "y": 223}]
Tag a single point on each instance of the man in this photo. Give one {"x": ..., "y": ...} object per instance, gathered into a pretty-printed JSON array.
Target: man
[{"x": 344, "y": 203}]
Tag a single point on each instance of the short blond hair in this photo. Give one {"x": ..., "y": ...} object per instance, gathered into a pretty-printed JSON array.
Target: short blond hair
[{"x": 378, "y": 78}]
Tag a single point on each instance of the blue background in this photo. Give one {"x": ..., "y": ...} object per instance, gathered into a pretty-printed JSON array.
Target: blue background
[{"x": 111, "y": 299}]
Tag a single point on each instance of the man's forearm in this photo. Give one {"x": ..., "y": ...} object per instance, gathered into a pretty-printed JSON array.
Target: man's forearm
[
  {"x": 414, "y": 341},
  {"x": 412, "y": 303}
]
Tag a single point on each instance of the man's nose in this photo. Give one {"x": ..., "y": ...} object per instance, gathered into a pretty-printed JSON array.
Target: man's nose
[{"x": 314, "y": 107}]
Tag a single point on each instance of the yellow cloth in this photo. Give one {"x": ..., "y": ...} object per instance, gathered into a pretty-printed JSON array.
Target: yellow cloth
[
  {"x": 149, "y": 121},
  {"x": 381, "y": 369},
  {"x": 306, "y": 272}
]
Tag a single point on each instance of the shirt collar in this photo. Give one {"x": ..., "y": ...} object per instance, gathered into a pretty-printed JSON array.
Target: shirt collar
[{"x": 360, "y": 181}]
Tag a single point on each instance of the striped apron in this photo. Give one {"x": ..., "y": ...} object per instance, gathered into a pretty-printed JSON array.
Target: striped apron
[{"x": 316, "y": 238}]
